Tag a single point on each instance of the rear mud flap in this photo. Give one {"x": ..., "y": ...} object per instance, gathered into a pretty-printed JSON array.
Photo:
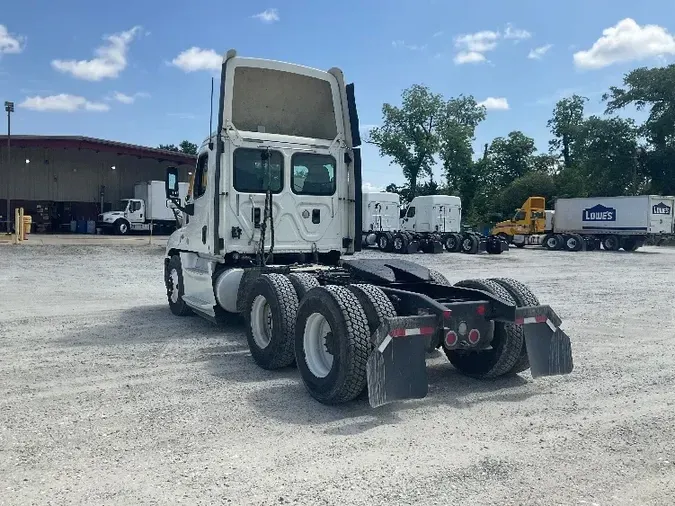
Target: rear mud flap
[
  {"x": 549, "y": 351},
  {"x": 396, "y": 368},
  {"x": 436, "y": 247},
  {"x": 413, "y": 247}
]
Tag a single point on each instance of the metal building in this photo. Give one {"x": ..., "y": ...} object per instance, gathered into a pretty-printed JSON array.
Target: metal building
[{"x": 57, "y": 179}]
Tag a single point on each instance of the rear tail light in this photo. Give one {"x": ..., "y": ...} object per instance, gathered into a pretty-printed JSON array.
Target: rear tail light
[
  {"x": 474, "y": 336},
  {"x": 480, "y": 310},
  {"x": 450, "y": 339}
]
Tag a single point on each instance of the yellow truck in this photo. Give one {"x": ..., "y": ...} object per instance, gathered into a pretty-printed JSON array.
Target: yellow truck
[{"x": 529, "y": 220}]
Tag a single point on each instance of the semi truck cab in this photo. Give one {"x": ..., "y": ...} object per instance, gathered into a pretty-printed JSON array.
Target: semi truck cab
[{"x": 529, "y": 219}]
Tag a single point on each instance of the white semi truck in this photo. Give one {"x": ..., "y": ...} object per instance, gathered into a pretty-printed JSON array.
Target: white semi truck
[
  {"x": 274, "y": 222},
  {"x": 380, "y": 216},
  {"x": 433, "y": 222},
  {"x": 610, "y": 223},
  {"x": 149, "y": 208}
]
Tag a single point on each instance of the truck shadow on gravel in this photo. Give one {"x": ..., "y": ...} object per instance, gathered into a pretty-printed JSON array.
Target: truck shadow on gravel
[{"x": 291, "y": 403}]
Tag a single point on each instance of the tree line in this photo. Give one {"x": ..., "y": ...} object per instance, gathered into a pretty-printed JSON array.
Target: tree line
[{"x": 588, "y": 155}]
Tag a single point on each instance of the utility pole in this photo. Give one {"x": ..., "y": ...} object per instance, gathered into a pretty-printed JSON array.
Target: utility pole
[{"x": 9, "y": 107}]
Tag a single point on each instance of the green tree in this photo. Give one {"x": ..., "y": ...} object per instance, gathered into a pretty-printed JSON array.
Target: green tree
[
  {"x": 568, "y": 116},
  {"x": 169, "y": 147},
  {"x": 511, "y": 158},
  {"x": 512, "y": 197},
  {"x": 652, "y": 89},
  {"x": 189, "y": 148},
  {"x": 409, "y": 134}
]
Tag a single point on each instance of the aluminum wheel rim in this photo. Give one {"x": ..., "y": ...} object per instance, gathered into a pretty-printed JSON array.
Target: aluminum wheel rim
[
  {"x": 467, "y": 244},
  {"x": 551, "y": 242},
  {"x": 123, "y": 228},
  {"x": 383, "y": 242},
  {"x": 319, "y": 361},
  {"x": 174, "y": 285},
  {"x": 261, "y": 322},
  {"x": 571, "y": 243},
  {"x": 398, "y": 243},
  {"x": 450, "y": 243}
]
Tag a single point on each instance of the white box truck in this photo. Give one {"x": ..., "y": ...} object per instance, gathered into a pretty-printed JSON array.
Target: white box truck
[
  {"x": 612, "y": 223},
  {"x": 149, "y": 208},
  {"x": 380, "y": 216}
]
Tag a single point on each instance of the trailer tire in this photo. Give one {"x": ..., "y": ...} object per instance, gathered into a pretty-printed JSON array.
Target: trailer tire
[
  {"x": 303, "y": 283},
  {"x": 630, "y": 244},
  {"x": 523, "y": 297},
  {"x": 470, "y": 244},
  {"x": 611, "y": 243},
  {"x": 507, "y": 343},
  {"x": 121, "y": 227},
  {"x": 343, "y": 377},
  {"x": 400, "y": 243},
  {"x": 272, "y": 307},
  {"x": 375, "y": 304},
  {"x": 173, "y": 279},
  {"x": 384, "y": 242},
  {"x": 573, "y": 242},
  {"x": 592, "y": 243}
]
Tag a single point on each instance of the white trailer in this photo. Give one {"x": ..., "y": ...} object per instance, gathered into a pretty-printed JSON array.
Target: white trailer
[
  {"x": 149, "y": 208},
  {"x": 613, "y": 222},
  {"x": 380, "y": 214}
]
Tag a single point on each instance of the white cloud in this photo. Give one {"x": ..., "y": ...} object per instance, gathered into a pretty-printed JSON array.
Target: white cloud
[
  {"x": 110, "y": 60},
  {"x": 62, "y": 103},
  {"x": 195, "y": 58},
  {"x": 268, "y": 16},
  {"x": 469, "y": 57},
  {"x": 10, "y": 44},
  {"x": 181, "y": 115},
  {"x": 516, "y": 33},
  {"x": 370, "y": 187},
  {"x": 538, "y": 52},
  {"x": 626, "y": 41},
  {"x": 439, "y": 33},
  {"x": 127, "y": 99},
  {"x": 495, "y": 104},
  {"x": 411, "y": 47}
]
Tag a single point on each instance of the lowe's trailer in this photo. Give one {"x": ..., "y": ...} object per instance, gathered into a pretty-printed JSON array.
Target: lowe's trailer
[
  {"x": 277, "y": 251},
  {"x": 609, "y": 222}
]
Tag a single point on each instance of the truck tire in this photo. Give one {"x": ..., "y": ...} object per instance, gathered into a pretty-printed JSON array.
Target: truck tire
[
  {"x": 375, "y": 304},
  {"x": 173, "y": 278},
  {"x": 470, "y": 244},
  {"x": 592, "y": 243},
  {"x": 303, "y": 283},
  {"x": 121, "y": 227},
  {"x": 272, "y": 307},
  {"x": 438, "y": 278},
  {"x": 505, "y": 237},
  {"x": 452, "y": 243},
  {"x": 553, "y": 242},
  {"x": 384, "y": 242},
  {"x": 332, "y": 344},
  {"x": 611, "y": 243},
  {"x": 523, "y": 297},
  {"x": 573, "y": 242},
  {"x": 507, "y": 343},
  {"x": 400, "y": 243}
]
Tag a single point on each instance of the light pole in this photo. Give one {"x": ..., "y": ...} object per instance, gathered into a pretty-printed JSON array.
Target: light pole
[{"x": 9, "y": 107}]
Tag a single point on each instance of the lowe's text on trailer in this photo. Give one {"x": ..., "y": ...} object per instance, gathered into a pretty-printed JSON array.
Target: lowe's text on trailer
[
  {"x": 599, "y": 213},
  {"x": 661, "y": 208}
]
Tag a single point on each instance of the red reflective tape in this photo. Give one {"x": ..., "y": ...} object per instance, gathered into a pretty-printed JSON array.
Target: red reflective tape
[
  {"x": 447, "y": 314},
  {"x": 426, "y": 331},
  {"x": 540, "y": 318},
  {"x": 397, "y": 332},
  {"x": 519, "y": 321}
]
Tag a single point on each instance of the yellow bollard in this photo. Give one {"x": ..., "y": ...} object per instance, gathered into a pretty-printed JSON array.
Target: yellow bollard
[{"x": 22, "y": 228}]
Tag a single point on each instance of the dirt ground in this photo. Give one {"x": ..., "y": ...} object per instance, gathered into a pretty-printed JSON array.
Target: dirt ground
[{"x": 106, "y": 398}]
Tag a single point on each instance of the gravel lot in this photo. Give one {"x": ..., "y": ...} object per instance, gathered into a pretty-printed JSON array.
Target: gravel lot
[{"x": 106, "y": 398}]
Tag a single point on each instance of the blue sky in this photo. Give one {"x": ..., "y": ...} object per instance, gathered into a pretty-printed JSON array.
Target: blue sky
[{"x": 125, "y": 70}]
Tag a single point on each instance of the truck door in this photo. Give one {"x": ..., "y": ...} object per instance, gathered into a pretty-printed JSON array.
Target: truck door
[
  {"x": 136, "y": 211},
  {"x": 199, "y": 227},
  {"x": 409, "y": 221}
]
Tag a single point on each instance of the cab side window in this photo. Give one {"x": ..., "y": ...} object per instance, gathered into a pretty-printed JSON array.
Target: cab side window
[
  {"x": 201, "y": 176},
  {"x": 411, "y": 212}
]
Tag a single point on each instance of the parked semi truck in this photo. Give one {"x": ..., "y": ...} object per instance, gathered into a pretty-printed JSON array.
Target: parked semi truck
[
  {"x": 380, "y": 216},
  {"x": 149, "y": 208},
  {"x": 610, "y": 223},
  {"x": 433, "y": 222},
  {"x": 281, "y": 254}
]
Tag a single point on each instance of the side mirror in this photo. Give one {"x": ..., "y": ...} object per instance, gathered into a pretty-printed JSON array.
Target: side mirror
[{"x": 171, "y": 183}]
